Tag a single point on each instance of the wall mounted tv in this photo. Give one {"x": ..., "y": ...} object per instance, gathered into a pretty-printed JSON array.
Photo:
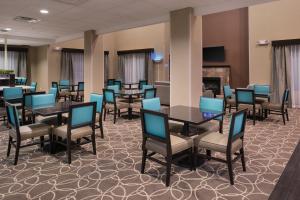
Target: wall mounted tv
[{"x": 214, "y": 54}]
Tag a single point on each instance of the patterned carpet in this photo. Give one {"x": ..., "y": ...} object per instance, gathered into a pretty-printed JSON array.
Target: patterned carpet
[{"x": 114, "y": 172}]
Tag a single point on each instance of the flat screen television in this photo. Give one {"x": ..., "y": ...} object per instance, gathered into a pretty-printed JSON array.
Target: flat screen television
[{"x": 214, "y": 54}]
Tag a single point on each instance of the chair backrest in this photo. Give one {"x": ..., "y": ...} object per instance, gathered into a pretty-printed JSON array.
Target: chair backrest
[
  {"x": 27, "y": 98},
  {"x": 33, "y": 86},
  {"x": 227, "y": 91},
  {"x": 110, "y": 82},
  {"x": 12, "y": 115},
  {"x": 54, "y": 91},
  {"x": 262, "y": 89},
  {"x": 141, "y": 83},
  {"x": 64, "y": 84},
  {"x": 82, "y": 115},
  {"x": 12, "y": 93},
  {"x": 54, "y": 84},
  {"x": 285, "y": 97},
  {"x": 43, "y": 101},
  {"x": 115, "y": 88},
  {"x": 208, "y": 104},
  {"x": 155, "y": 125},
  {"x": 237, "y": 127},
  {"x": 22, "y": 80},
  {"x": 118, "y": 83},
  {"x": 151, "y": 104},
  {"x": 109, "y": 96},
  {"x": 244, "y": 96},
  {"x": 80, "y": 86},
  {"x": 98, "y": 98},
  {"x": 144, "y": 87},
  {"x": 150, "y": 93}
]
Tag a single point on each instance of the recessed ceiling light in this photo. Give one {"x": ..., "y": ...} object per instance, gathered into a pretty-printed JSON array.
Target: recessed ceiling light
[
  {"x": 7, "y": 29},
  {"x": 44, "y": 11}
]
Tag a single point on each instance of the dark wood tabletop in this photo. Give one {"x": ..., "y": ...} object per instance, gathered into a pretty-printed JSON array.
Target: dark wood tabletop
[
  {"x": 191, "y": 115},
  {"x": 130, "y": 92},
  {"x": 55, "y": 109}
]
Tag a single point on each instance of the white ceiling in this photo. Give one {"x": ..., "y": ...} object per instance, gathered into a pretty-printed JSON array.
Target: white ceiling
[{"x": 68, "y": 19}]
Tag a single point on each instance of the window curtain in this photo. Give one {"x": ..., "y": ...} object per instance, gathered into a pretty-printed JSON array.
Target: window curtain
[
  {"x": 106, "y": 67},
  {"x": 135, "y": 67},
  {"x": 72, "y": 66},
  {"x": 286, "y": 73},
  {"x": 16, "y": 60}
]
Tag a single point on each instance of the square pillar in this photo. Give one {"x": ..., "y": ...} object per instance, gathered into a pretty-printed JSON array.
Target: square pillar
[
  {"x": 186, "y": 58},
  {"x": 93, "y": 63}
]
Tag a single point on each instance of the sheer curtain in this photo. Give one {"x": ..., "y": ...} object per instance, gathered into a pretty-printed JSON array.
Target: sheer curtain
[
  {"x": 16, "y": 60},
  {"x": 135, "y": 67},
  {"x": 295, "y": 75},
  {"x": 72, "y": 62}
]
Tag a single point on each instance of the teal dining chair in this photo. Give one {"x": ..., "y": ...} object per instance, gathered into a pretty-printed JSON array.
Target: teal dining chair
[
  {"x": 110, "y": 82},
  {"x": 158, "y": 140},
  {"x": 18, "y": 133},
  {"x": 229, "y": 98},
  {"x": 245, "y": 99},
  {"x": 44, "y": 101},
  {"x": 98, "y": 98},
  {"x": 27, "y": 116},
  {"x": 33, "y": 86},
  {"x": 12, "y": 93},
  {"x": 148, "y": 94},
  {"x": 118, "y": 83},
  {"x": 64, "y": 89},
  {"x": 142, "y": 82},
  {"x": 262, "y": 92},
  {"x": 79, "y": 93},
  {"x": 54, "y": 91},
  {"x": 228, "y": 144},
  {"x": 151, "y": 104},
  {"x": 81, "y": 125}
]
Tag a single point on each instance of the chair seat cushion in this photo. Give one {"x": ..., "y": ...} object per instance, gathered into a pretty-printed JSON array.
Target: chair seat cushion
[
  {"x": 178, "y": 144},
  {"x": 77, "y": 133},
  {"x": 231, "y": 102},
  {"x": 260, "y": 101},
  {"x": 31, "y": 131},
  {"x": 272, "y": 106},
  {"x": 80, "y": 93},
  {"x": 249, "y": 107},
  {"x": 120, "y": 105},
  {"x": 63, "y": 93},
  {"x": 218, "y": 142}
]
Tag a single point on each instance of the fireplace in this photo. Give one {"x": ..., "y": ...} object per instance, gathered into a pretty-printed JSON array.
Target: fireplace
[{"x": 212, "y": 83}]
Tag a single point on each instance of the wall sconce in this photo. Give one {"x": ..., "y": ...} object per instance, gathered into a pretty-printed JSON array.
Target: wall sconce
[
  {"x": 157, "y": 57},
  {"x": 263, "y": 42}
]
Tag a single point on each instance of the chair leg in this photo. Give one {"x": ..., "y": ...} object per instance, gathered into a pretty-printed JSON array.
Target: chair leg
[
  {"x": 104, "y": 114},
  {"x": 287, "y": 115},
  {"x": 192, "y": 167},
  {"x": 169, "y": 162},
  {"x": 42, "y": 141},
  {"x": 229, "y": 164},
  {"x": 283, "y": 117},
  {"x": 254, "y": 116},
  {"x": 101, "y": 128},
  {"x": 51, "y": 143},
  {"x": 119, "y": 113},
  {"x": 94, "y": 143},
  {"x": 243, "y": 159},
  {"x": 9, "y": 146},
  {"x": 18, "y": 144},
  {"x": 144, "y": 161},
  {"x": 115, "y": 115},
  {"x": 69, "y": 150},
  {"x": 208, "y": 154}
]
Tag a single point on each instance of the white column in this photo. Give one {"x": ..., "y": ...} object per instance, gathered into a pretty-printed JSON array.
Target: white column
[
  {"x": 186, "y": 58},
  {"x": 93, "y": 63}
]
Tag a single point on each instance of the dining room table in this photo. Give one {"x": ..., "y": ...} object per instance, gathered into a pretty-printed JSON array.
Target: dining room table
[
  {"x": 129, "y": 96},
  {"x": 190, "y": 116},
  {"x": 130, "y": 85}
]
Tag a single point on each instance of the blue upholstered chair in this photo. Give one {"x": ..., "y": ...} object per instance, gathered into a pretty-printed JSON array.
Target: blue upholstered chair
[
  {"x": 18, "y": 133},
  {"x": 98, "y": 98},
  {"x": 229, "y": 98},
  {"x": 148, "y": 94},
  {"x": 118, "y": 83},
  {"x": 245, "y": 99},
  {"x": 229, "y": 143},
  {"x": 44, "y": 101},
  {"x": 151, "y": 104},
  {"x": 81, "y": 125},
  {"x": 141, "y": 83},
  {"x": 262, "y": 93},
  {"x": 12, "y": 93},
  {"x": 144, "y": 87},
  {"x": 54, "y": 91},
  {"x": 157, "y": 139},
  {"x": 110, "y": 82},
  {"x": 27, "y": 105},
  {"x": 33, "y": 86},
  {"x": 279, "y": 109},
  {"x": 115, "y": 88},
  {"x": 110, "y": 103}
]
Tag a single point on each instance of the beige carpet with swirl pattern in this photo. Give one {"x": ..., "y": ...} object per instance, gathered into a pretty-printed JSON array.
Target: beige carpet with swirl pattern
[{"x": 114, "y": 172}]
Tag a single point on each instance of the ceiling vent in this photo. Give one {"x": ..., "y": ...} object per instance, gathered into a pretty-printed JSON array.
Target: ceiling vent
[
  {"x": 72, "y": 2},
  {"x": 26, "y": 19}
]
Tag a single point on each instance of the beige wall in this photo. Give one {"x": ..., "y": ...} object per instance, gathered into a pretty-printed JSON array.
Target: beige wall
[
  {"x": 153, "y": 36},
  {"x": 271, "y": 21}
]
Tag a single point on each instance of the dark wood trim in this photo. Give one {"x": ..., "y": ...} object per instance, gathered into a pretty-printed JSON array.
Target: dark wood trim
[
  {"x": 150, "y": 50},
  {"x": 106, "y": 52},
  {"x": 216, "y": 66},
  {"x": 15, "y": 48},
  {"x": 72, "y": 50},
  {"x": 286, "y": 42}
]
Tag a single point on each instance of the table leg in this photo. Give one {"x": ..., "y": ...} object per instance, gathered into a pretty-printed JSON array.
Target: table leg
[
  {"x": 129, "y": 108},
  {"x": 186, "y": 129},
  {"x": 59, "y": 119}
]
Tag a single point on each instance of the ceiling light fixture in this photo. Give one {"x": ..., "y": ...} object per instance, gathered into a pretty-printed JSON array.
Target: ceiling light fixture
[
  {"x": 43, "y": 11},
  {"x": 7, "y": 29}
]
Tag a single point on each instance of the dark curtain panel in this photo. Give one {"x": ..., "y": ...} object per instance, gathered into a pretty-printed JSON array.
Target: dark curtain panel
[
  {"x": 66, "y": 68},
  {"x": 16, "y": 60},
  {"x": 106, "y": 67}
]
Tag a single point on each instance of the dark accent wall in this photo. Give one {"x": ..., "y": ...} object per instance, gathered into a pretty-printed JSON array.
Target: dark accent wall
[{"x": 230, "y": 29}]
